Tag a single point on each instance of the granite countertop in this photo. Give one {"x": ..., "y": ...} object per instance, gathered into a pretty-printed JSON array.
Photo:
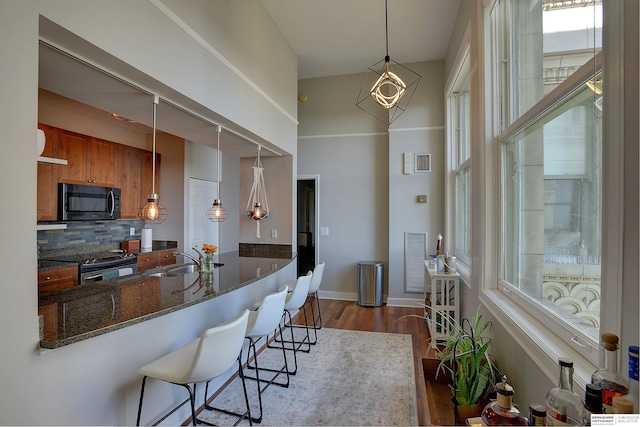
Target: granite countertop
[
  {"x": 85, "y": 311},
  {"x": 60, "y": 258}
]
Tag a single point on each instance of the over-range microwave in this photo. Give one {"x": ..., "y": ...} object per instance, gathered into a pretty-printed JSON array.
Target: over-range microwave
[{"x": 87, "y": 202}]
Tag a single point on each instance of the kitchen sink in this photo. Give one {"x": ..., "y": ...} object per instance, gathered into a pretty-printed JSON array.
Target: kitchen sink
[
  {"x": 189, "y": 268},
  {"x": 163, "y": 274}
]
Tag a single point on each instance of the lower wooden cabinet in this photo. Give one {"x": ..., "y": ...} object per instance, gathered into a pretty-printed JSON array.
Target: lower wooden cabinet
[
  {"x": 140, "y": 298},
  {"x": 155, "y": 259},
  {"x": 56, "y": 279}
]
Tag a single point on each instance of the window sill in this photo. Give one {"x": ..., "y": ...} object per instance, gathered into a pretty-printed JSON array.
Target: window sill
[{"x": 531, "y": 335}]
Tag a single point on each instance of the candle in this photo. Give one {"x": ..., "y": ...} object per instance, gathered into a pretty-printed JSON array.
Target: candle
[{"x": 439, "y": 245}]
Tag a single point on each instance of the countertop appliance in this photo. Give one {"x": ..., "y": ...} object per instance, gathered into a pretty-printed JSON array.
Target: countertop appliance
[
  {"x": 87, "y": 202},
  {"x": 93, "y": 267}
]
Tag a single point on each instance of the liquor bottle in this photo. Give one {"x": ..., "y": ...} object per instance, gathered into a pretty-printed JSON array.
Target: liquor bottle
[
  {"x": 607, "y": 377},
  {"x": 537, "y": 415},
  {"x": 621, "y": 405},
  {"x": 633, "y": 378},
  {"x": 501, "y": 411},
  {"x": 592, "y": 403},
  {"x": 564, "y": 407}
]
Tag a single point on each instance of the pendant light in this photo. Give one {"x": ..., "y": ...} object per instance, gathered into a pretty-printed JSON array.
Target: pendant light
[
  {"x": 388, "y": 86},
  {"x": 217, "y": 213},
  {"x": 153, "y": 212},
  {"x": 257, "y": 205}
]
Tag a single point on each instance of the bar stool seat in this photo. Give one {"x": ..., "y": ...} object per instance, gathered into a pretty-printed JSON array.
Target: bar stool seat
[
  {"x": 263, "y": 321},
  {"x": 201, "y": 361}
]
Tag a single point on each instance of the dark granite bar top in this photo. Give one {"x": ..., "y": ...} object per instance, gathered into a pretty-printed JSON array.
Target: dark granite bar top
[{"x": 85, "y": 311}]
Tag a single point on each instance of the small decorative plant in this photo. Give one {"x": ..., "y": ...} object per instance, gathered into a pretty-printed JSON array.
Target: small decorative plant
[
  {"x": 209, "y": 251},
  {"x": 465, "y": 355}
]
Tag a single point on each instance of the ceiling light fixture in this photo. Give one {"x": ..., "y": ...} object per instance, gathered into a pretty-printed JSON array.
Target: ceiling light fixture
[
  {"x": 385, "y": 94},
  {"x": 257, "y": 205},
  {"x": 153, "y": 212},
  {"x": 217, "y": 213}
]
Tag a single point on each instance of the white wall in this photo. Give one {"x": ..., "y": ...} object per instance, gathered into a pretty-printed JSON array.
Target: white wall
[
  {"x": 365, "y": 200},
  {"x": 96, "y": 381}
]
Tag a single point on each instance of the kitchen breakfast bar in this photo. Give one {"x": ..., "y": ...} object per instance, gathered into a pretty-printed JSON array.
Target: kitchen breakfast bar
[{"x": 86, "y": 311}]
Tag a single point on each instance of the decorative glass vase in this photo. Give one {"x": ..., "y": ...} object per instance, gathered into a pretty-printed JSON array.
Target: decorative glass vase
[{"x": 207, "y": 265}]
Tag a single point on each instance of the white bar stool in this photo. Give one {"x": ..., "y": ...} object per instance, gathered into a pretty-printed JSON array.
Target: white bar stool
[
  {"x": 316, "y": 280},
  {"x": 200, "y": 361},
  {"x": 295, "y": 301},
  {"x": 264, "y": 320}
]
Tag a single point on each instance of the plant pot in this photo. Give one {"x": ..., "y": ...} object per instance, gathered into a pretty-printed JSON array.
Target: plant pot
[{"x": 462, "y": 412}]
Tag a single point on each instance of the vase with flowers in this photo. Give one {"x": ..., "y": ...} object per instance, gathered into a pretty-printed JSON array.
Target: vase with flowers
[{"x": 209, "y": 251}]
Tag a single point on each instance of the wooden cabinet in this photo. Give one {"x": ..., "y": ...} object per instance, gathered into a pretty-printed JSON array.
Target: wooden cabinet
[
  {"x": 47, "y": 189},
  {"x": 56, "y": 279},
  {"x": 91, "y": 161},
  {"x": 166, "y": 258},
  {"x": 155, "y": 259},
  {"x": 49, "y": 325},
  {"x": 129, "y": 180},
  {"x": 140, "y": 298}
]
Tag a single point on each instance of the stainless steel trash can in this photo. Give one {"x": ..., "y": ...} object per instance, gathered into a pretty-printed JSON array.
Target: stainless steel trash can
[{"x": 370, "y": 279}]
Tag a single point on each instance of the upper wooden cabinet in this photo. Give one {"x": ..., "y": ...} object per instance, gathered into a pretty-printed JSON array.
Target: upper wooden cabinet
[
  {"x": 47, "y": 189},
  {"x": 129, "y": 176},
  {"x": 91, "y": 161}
]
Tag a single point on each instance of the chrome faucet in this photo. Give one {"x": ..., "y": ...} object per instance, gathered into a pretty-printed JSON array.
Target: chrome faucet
[{"x": 192, "y": 258}]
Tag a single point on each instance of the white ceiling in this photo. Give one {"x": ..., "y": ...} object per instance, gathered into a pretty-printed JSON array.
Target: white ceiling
[
  {"x": 330, "y": 37},
  {"x": 333, "y": 37}
]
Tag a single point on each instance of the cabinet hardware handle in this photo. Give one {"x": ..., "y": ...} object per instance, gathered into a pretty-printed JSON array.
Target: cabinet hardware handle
[{"x": 47, "y": 278}]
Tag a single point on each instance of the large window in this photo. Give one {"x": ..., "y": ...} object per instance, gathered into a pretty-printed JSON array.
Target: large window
[
  {"x": 546, "y": 74},
  {"x": 459, "y": 154}
]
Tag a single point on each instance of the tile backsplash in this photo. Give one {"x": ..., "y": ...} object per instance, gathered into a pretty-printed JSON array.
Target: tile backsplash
[{"x": 83, "y": 233}]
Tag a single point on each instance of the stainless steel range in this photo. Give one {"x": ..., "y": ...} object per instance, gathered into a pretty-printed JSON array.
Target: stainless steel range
[{"x": 94, "y": 267}]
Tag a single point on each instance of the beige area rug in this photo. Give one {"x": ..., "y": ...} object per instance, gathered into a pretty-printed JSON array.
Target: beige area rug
[{"x": 349, "y": 378}]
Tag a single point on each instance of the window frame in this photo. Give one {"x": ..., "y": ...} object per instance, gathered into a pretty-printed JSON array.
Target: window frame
[
  {"x": 460, "y": 76},
  {"x": 527, "y": 330}
]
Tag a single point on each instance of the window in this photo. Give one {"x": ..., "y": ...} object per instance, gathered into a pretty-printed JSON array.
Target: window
[
  {"x": 550, "y": 137},
  {"x": 459, "y": 153}
]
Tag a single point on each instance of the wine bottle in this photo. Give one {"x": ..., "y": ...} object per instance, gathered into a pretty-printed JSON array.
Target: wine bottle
[
  {"x": 564, "y": 407},
  {"x": 612, "y": 382}
]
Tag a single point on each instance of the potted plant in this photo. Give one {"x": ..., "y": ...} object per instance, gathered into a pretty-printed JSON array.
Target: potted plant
[{"x": 464, "y": 355}]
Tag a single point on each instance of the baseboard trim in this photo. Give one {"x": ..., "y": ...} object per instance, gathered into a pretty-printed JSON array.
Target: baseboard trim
[{"x": 405, "y": 302}]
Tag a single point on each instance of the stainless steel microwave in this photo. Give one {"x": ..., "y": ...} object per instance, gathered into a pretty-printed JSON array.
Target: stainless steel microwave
[{"x": 87, "y": 202}]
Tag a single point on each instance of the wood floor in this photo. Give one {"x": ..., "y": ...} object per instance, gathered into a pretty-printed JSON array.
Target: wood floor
[{"x": 349, "y": 315}]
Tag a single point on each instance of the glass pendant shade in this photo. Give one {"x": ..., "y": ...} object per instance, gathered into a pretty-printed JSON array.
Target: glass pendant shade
[
  {"x": 153, "y": 212},
  {"x": 257, "y": 212},
  {"x": 388, "y": 87},
  {"x": 217, "y": 213}
]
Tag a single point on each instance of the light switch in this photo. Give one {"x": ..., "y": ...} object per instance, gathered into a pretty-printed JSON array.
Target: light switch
[
  {"x": 274, "y": 233},
  {"x": 132, "y": 231},
  {"x": 324, "y": 231}
]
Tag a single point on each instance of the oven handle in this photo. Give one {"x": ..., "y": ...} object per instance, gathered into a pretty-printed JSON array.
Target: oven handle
[
  {"x": 113, "y": 307},
  {"x": 93, "y": 277},
  {"x": 113, "y": 202}
]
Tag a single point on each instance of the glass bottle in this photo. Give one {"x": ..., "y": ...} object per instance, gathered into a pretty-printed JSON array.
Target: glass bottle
[
  {"x": 607, "y": 377},
  {"x": 633, "y": 378},
  {"x": 621, "y": 405},
  {"x": 501, "y": 411},
  {"x": 537, "y": 415},
  {"x": 564, "y": 407},
  {"x": 592, "y": 403}
]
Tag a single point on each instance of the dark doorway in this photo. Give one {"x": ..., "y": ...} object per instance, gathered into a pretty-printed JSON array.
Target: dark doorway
[{"x": 307, "y": 225}]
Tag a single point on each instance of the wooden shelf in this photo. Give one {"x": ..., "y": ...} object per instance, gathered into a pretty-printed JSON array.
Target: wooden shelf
[{"x": 52, "y": 161}]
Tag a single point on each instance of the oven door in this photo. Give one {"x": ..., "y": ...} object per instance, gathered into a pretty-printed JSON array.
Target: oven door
[{"x": 108, "y": 273}]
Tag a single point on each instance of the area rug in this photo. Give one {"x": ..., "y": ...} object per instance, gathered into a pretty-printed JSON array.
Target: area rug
[{"x": 349, "y": 378}]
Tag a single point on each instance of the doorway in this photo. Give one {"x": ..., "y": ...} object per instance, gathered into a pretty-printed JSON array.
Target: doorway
[{"x": 308, "y": 196}]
